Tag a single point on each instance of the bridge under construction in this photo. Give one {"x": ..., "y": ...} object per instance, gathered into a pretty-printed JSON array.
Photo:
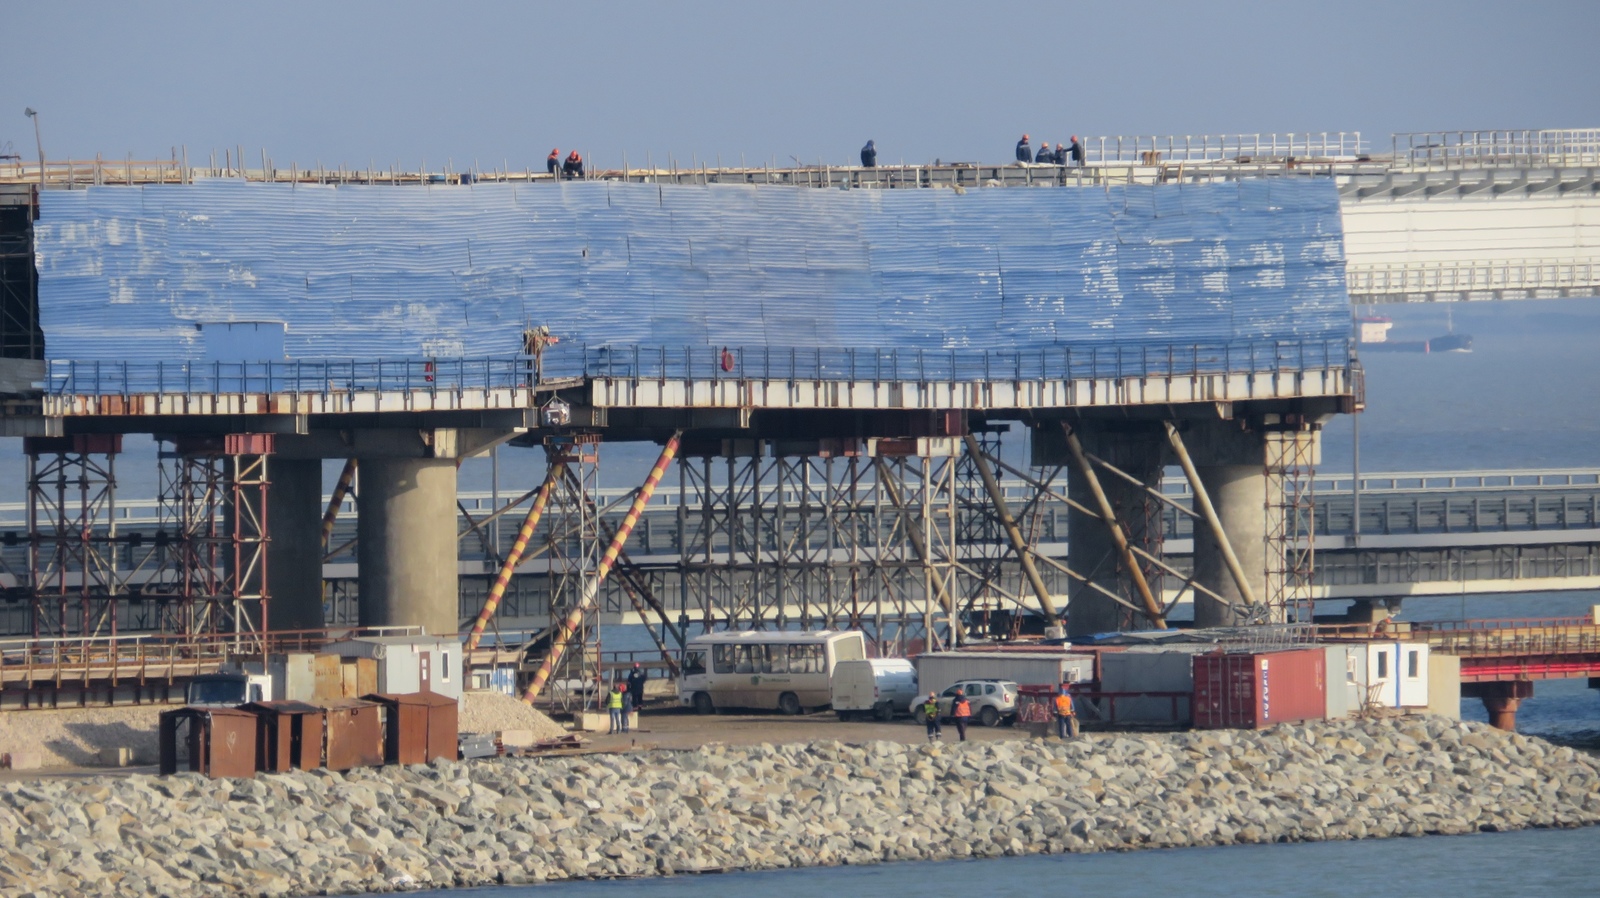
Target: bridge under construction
[{"x": 844, "y": 358}]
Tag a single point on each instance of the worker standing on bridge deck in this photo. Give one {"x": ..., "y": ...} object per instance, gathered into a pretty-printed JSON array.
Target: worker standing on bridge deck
[
  {"x": 1076, "y": 151},
  {"x": 1024, "y": 151},
  {"x": 869, "y": 156},
  {"x": 573, "y": 168},
  {"x": 552, "y": 162},
  {"x": 1044, "y": 156},
  {"x": 636, "y": 678}
]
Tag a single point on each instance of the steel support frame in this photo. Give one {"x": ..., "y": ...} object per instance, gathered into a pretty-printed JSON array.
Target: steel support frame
[
  {"x": 1291, "y": 522},
  {"x": 571, "y": 548},
  {"x": 73, "y": 565}
]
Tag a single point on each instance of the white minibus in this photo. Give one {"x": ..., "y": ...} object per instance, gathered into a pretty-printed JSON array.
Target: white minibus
[{"x": 764, "y": 669}]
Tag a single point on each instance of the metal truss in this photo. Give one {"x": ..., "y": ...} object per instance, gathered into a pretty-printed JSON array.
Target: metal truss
[
  {"x": 1291, "y": 520},
  {"x": 73, "y": 576},
  {"x": 571, "y": 548}
]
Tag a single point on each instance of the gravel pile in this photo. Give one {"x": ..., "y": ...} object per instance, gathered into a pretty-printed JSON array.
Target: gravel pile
[
  {"x": 73, "y": 737},
  {"x": 719, "y": 807},
  {"x": 491, "y": 712}
]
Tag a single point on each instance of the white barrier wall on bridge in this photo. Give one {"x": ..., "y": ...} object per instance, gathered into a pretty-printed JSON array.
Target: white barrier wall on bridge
[{"x": 1471, "y": 229}]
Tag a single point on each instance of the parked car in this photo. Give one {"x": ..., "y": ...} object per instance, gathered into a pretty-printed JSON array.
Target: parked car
[
  {"x": 872, "y": 687},
  {"x": 993, "y": 701}
]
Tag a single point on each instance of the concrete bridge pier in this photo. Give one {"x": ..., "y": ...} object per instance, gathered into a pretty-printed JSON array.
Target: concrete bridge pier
[
  {"x": 294, "y": 556},
  {"x": 1501, "y": 700},
  {"x": 1137, "y": 448},
  {"x": 405, "y": 521},
  {"x": 1231, "y": 461}
]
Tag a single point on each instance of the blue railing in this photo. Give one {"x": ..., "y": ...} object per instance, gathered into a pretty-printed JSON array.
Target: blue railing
[
  {"x": 695, "y": 363},
  {"x": 943, "y": 365},
  {"x": 100, "y": 378}
]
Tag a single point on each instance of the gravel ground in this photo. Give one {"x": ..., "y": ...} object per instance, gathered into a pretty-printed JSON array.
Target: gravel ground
[{"x": 489, "y": 712}]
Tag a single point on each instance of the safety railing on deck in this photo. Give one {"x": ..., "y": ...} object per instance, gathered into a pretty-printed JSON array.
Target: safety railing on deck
[
  {"x": 1473, "y": 276},
  {"x": 941, "y": 365},
  {"x": 103, "y": 378},
  {"x": 1497, "y": 149},
  {"x": 1154, "y": 149}
]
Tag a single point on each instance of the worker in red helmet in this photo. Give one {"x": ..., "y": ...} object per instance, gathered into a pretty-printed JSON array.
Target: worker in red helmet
[
  {"x": 1024, "y": 151},
  {"x": 552, "y": 162},
  {"x": 1076, "y": 151},
  {"x": 573, "y": 167}
]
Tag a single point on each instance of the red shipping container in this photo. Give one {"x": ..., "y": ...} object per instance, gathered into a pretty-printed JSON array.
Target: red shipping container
[{"x": 1251, "y": 691}]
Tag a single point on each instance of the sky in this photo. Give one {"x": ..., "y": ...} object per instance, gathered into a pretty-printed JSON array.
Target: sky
[{"x": 496, "y": 84}]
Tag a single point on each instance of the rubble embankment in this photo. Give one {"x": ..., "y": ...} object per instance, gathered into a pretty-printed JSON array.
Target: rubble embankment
[{"x": 789, "y": 805}]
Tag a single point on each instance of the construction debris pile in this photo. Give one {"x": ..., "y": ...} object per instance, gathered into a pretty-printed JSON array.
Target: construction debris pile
[{"x": 509, "y": 820}]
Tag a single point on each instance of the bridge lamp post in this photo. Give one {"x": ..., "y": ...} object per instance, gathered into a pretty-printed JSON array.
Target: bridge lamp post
[{"x": 32, "y": 113}]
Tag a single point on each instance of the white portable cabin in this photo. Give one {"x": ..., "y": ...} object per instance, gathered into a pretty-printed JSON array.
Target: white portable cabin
[
  {"x": 1397, "y": 674},
  {"x": 409, "y": 663},
  {"x": 1347, "y": 679}
]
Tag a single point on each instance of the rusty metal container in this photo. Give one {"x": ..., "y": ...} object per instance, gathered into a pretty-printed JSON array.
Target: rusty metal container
[
  {"x": 418, "y": 727},
  {"x": 327, "y": 679},
  {"x": 288, "y": 735},
  {"x": 215, "y": 741},
  {"x": 1255, "y": 690},
  {"x": 354, "y": 734}
]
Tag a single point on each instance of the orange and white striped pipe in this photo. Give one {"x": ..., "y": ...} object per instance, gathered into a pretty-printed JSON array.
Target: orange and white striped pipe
[
  {"x": 514, "y": 557},
  {"x": 340, "y": 489},
  {"x": 591, "y": 589}
]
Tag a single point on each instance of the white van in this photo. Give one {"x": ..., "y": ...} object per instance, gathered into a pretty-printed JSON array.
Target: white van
[
  {"x": 876, "y": 686},
  {"x": 764, "y": 669}
]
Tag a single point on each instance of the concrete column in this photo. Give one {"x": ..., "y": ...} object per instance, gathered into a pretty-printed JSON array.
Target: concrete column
[
  {"x": 294, "y": 556},
  {"x": 406, "y": 523},
  {"x": 1139, "y": 449},
  {"x": 1239, "y": 494}
]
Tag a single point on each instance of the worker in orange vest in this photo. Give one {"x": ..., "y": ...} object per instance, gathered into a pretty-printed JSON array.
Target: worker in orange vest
[
  {"x": 961, "y": 712},
  {"x": 573, "y": 168},
  {"x": 1066, "y": 715}
]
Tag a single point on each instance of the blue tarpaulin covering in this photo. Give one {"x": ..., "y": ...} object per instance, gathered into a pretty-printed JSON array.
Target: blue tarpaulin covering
[{"x": 624, "y": 271}]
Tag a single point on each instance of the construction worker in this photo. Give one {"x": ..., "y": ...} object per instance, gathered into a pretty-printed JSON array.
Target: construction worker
[
  {"x": 961, "y": 712},
  {"x": 614, "y": 705},
  {"x": 1076, "y": 151},
  {"x": 1061, "y": 154},
  {"x": 1044, "y": 156},
  {"x": 636, "y": 681},
  {"x": 1066, "y": 715},
  {"x": 552, "y": 162},
  {"x": 573, "y": 167},
  {"x": 1024, "y": 151},
  {"x": 930, "y": 716},
  {"x": 869, "y": 156}
]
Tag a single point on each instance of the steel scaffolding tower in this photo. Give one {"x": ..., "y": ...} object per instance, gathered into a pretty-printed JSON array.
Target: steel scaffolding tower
[
  {"x": 72, "y": 534},
  {"x": 1291, "y": 523}
]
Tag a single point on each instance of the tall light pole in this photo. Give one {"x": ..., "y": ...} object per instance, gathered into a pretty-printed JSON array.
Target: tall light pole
[{"x": 37, "y": 141}]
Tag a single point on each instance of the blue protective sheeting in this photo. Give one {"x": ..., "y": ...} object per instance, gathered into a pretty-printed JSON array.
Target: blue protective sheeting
[{"x": 642, "y": 271}]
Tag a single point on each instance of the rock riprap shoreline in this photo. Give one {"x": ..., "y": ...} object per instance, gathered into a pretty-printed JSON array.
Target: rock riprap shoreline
[{"x": 768, "y": 806}]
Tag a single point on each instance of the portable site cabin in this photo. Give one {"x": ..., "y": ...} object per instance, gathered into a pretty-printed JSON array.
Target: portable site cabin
[
  {"x": 409, "y": 663},
  {"x": 1397, "y": 674}
]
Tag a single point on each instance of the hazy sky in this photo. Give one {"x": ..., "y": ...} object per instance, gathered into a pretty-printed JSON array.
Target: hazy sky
[{"x": 348, "y": 82}]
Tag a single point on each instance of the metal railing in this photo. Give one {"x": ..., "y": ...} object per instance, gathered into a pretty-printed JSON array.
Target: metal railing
[
  {"x": 103, "y": 378},
  {"x": 1473, "y": 276},
  {"x": 1170, "y": 148},
  {"x": 1497, "y": 149},
  {"x": 946, "y": 365}
]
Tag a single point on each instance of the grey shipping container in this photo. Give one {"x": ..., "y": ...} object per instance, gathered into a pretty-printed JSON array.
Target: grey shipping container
[
  {"x": 938, "y": 670},
  {"x": 1147, "y": 685}
]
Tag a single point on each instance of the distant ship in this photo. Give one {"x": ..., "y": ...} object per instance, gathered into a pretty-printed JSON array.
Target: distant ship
[{"x": 1372, "y": 335}]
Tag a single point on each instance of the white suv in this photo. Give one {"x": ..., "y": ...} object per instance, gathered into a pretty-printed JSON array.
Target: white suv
[{"x": 993, "y": 701}]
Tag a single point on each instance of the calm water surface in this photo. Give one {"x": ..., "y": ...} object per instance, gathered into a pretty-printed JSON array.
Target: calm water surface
[{"x": 1499, "y": 865}]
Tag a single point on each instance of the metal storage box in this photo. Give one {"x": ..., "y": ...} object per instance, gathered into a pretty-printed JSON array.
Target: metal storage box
[
  {"x": 1255, "y": 690},
  {"x": 354, "y": 734},
  {"x": 288, "y": 735},
  {"x": 214, "y": 741},
  {"x": 418, "y": 727},
  {"x": 938, "y": 670},
  {"x": 1148, "y": 686}
]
